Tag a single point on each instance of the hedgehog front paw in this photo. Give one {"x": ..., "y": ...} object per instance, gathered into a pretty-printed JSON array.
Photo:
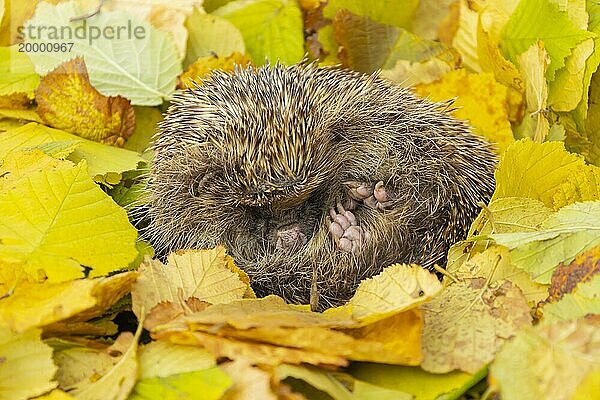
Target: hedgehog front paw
[
  {"x": 345, "y": 231},
  {"x": 374, "y": 196}
]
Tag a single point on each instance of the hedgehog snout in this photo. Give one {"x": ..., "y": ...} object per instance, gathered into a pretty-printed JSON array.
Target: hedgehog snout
[{"x": 290, "y": 238}]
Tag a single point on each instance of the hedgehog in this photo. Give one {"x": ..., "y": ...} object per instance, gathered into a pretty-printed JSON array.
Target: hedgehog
[{"x": 314, "y": 178}]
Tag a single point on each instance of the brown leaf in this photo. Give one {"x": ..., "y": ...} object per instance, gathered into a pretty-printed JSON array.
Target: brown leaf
[
  {"x": 566, "y": 277},
  {"x": 67, "y": 100}
]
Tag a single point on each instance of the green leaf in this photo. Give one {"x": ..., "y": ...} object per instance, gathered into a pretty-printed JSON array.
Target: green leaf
[
  {"x": 398, "y": 13},
  {"x": 208, "y": 384},
  {"x": 272, "y": 29},
  {"x": 146, "y": 121},
  {"x": 591, "y": 64},
  {"x": 17, "y": 74},
  {"x": 142, "y": 67},
  {"x": 55, "y": 219},
  {"x": 105, "y": 163},
  {"x": 26, "y": 367},
  {"x": 584, "y": 300},
  {"x": 369, "y": 45},
  {"x": 563, "y": 235},
  {"x": 210, "y": 34},
  {"x": 535, "y": 20},
  {"x": 421, "y": 384}
]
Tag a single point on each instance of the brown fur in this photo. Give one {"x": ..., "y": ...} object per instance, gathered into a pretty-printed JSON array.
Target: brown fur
[{"x": 249, "y": 152}]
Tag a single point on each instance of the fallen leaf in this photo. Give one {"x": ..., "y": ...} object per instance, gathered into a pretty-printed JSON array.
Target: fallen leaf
[
  {"x": 494, "y": 264},
  {"x": 249, "y": 382},
  {"x": 17, "y": 74},
  {"x": 209, "y": 384},
  {"x": 450, "y": 342},
  {"x": 562, "y": 235},
  {"x": 533, "y": 64},
  {"x": 141, "y": 67},
  {"x": 66, "y": 100},
  {"x": 203, "y": 66},
  {"x": 540, "y": 171},
  {"x": 414, "y": 380},
  {"x": 566, "y": 277},
  {"x": 33, "y": 305},
  {"x": 105, "y": 163},
  {"x": 547, "y": 362},
  {"x": 26, "y": 367},
  {"x": 100, "y": 375},
  {"x": 204, "y": 274},
  {"x": 272, "y": 29},
  {"x": 162, "y": 359},
  {"x": 480, "y": 100},
  {"x": 397, "y": 288},
  {"x": 209, "y": 35},
  {"x": 546, "y": 22},
  {"x": 40, "y": 229},
  {"x": 367, "y": 45}
]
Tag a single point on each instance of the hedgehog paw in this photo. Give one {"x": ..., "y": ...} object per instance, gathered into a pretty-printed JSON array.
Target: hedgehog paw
[
  {"x": 374, "y": 196},
  {"x": 345, "y": 231}
]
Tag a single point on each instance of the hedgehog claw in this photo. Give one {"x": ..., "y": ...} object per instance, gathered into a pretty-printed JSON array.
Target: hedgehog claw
[
  {"x": 374, "y": 196},
  {"x": 345, "y": 231}
]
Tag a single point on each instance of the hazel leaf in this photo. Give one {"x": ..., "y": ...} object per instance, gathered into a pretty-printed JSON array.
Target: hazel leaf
[
  {"x": 105, "y": 163},
  {"x": 547, "y": 361},
  {"x": 272, "y": 29},
  {"x": 449, "y": 340},
  {"x": 66, "y": 100},
  {"x": 141, "y": 64},
  {"x": 207, "y": 275},
  {"x": 43, "y": 226},
  {"x": 26, "y": 369}
]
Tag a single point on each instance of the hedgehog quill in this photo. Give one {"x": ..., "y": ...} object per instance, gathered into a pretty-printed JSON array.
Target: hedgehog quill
[{"x": 314, "y": 178}]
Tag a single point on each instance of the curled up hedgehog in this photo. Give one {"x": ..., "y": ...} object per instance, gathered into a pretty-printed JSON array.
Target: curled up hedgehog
[{"x": 314, "y": 178}]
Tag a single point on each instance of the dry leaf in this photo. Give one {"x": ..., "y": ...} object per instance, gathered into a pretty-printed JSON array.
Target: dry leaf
[{"x": 67, "y": 100}]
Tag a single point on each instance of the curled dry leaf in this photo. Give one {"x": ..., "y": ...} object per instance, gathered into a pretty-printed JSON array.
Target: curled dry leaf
[
  {"x": 468, "y": 322},
  {"x": 107, "y": 374},
  {"x": 67, "y": 100}
]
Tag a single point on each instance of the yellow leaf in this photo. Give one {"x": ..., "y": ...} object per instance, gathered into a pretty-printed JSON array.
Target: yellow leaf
[
  {"x": 100, "y": 375},
  {"x": 204, "y": 274},
  {"x": 533, "y": 64},
  {"x": 203, "y": 66},
  {"x": 67, "y": 100},
  {"x": 26, "y": 367},
  {"x": 494, "y": 265},
  {"x": 397, "y": 288},
  {"x": 37, "y": 305},
  {"x": 548, "y": 361},
  {"x": 408, "y": 73},
  {"x": 105, "y": 162},
  {"x": 17, "y": 74},
  {"x": 566, "y": 90},
  {"x": 248, "y": 382},
  {"x": 162, "y": 359},
  {"x": 546, "y": 172},
  {"x": 56, "y": 395},
  {"x": 450, "y": 341},
  {"x": 58, "y": 220},
  {"x": 480, "y": 99},
  {"x": 465, "y": 39}
]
